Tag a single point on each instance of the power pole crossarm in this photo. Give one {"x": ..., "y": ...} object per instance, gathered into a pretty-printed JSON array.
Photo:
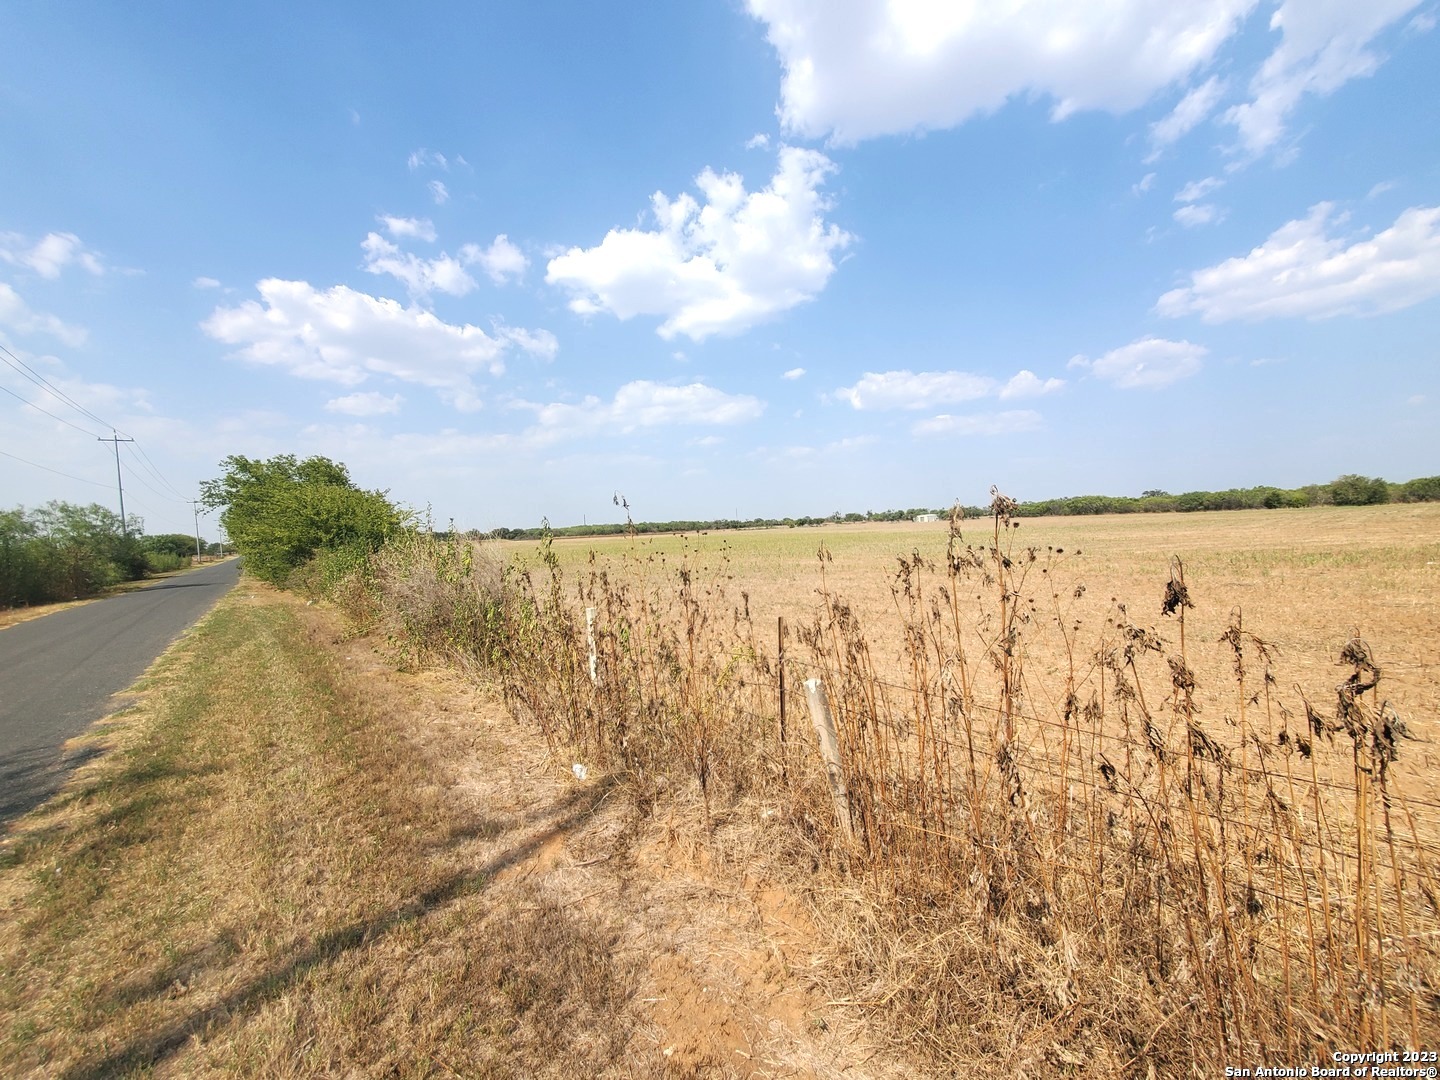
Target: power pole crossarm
[{"x": 117, "y": 439}]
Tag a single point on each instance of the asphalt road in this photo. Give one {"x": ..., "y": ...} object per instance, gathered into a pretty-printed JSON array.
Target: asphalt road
[{"x": 59, "y": 672}]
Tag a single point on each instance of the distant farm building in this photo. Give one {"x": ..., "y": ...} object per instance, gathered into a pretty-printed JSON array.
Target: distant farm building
[{"x": 927, "y": 517}]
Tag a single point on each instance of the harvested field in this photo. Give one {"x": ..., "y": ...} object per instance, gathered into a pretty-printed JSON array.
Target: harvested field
[{"x": 1163, "y": 786}]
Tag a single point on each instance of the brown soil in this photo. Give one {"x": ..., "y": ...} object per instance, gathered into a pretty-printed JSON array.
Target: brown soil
[{"x": 727, "y": 941}]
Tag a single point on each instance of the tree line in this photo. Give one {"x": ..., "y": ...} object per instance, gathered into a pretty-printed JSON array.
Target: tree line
[
  {"x": 1348, "y": 490},
  {"x": 63, "y": 551}
]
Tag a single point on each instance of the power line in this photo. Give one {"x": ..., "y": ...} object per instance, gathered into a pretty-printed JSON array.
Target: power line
[
  {"x": 39, "y": 380},
  {"x": 138, "y": 478},
  {"x": 172, "y": 498},
  {"x": 47, "y": 412},
  {"x": 155, "y": 469},
  {"x": 47, "y": 468}
]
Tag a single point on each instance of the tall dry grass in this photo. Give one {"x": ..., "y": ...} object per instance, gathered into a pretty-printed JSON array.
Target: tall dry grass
[{"x": 1094, "y": 861}]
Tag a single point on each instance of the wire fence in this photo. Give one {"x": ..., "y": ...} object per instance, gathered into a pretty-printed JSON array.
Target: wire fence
[{"x": 1276, "y": 864}]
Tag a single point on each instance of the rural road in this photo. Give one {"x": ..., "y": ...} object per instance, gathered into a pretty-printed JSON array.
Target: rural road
[{"x": 58, "y": 673}]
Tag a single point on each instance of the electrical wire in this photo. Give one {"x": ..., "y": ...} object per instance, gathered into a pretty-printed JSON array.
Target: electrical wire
[
  {"x": 149, "y": 487},
  {"x": 176, "y": 497},
  {"x": 39, "y": 380},
  {"x": 57, "y": 472},
  {"x": 155, "y": 471},
  {"x": 48, "y": 413}
]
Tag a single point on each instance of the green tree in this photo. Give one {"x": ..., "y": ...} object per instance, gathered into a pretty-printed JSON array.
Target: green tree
[
  {"x": 1353, "y": 490},
  {"x": 281, "y": 512},
  {"x": 178, "y": 544},
  {"x": 1422, "y": 489}
]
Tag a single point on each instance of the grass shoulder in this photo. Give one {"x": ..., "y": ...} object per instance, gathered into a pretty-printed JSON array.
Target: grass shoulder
[{"x": 262, "y": 877}]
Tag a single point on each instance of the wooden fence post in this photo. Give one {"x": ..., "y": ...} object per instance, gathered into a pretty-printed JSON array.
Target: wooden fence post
[
  {"x": 784, "y": 765},
  {"x": 830, "y": 754},
  {"x": 590, "y": 640}
]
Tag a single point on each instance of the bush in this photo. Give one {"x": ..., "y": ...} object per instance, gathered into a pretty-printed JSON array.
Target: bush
[
  {"x": 62, "y": 551},
  {"x": 163, "y": 562},
  {"x": 1354, "y": 490},
  {"x": 281, "y": 513},
  {"x": 1425, "y": 489}
]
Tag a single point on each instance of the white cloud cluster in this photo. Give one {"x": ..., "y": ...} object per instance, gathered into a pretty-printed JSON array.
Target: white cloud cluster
[
  {"x": 860, "y": 68},
  {"x": 501, "y": 261},
  {"x": 1302, "y": 271},
  {"x": 926, "y": 389},
  {"x": 409, "y": 228},
  {"x": 639, "y": 405},
  {"x": 365, "y": 403},
  {"x": 1001, "y": 423},
  {"x": 1195, "y": 214},
  {"x": 18, "y": 316},
  {"x": 343, "y": 336},
  {"x": 855, "y": 69},
  {"x": 1147, "y": 364},
  {"x": 423, "y": 158},
  {"x": 1323, "y": 46},
  {"x": 49, "y": 255},
  {"x": 445, "y": 273},
  {"x": 719, "y": 268},
  {"x": 420, "y": 276},
  {"x": 1194, "y": 107}
]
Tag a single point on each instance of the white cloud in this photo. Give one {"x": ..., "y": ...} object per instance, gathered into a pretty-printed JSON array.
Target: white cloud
[
  {"x": 422, "y": 158},
  {"x": 20, "y": 317},
  {"x": 1322, "y": 47},
  {"x": 50, "y": 255},
  {"x": 1196, "y": 190},
  {"x": 718, "y": 268},
  {"x": 1144, "y": 185},
  {"x": 438, "y": 192},
  {"x": 856, "y": 68},
  {"x": 1003, "y": 423},
  {"x": 402, "y": 227},
  {"x": 538, "y": 343},
  {"x": 1380, "y": 188},
  {"x": 1300, "y": 271},
  {"x": 420, "y": 276},
  {"x": 642, "y": 404},
  {"x": 501, "y": 260},
  {"x": 367, "y": 403},
  {"x": 1422, "y": 23},
  {"x": 444, "y": 273},
  {"x": 1146, "y": 364},
  {"x": 1194, "y": 107},
  {"x": 1027, "y": 384},
  {"x": 794, "y": 373},
  {"x": 758, "y": 142},
  {"x": 1196, "y": 214},
  {"x": 205, "y": 283},
  {"x": 343, "y": 336},
  {"x": 915, "y": 390}
]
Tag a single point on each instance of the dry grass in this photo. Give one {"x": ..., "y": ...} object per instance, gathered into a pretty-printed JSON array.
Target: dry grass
[
  {"x": 264, "y": 878},
  {"x": 1087, "y": 836}
]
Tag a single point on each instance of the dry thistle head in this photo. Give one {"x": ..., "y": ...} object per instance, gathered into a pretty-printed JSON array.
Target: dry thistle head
[
  {"x": 1177, "y": 596},
  {"x": 1002, "y": 507}
]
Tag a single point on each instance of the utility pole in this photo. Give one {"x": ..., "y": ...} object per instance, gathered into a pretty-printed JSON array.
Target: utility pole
[
  {"x": 195, "y": 505},
  {"x": 119, "y": 484}
]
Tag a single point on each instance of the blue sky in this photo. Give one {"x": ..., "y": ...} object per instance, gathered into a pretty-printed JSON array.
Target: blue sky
[{"x": 758, "y": 258}]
